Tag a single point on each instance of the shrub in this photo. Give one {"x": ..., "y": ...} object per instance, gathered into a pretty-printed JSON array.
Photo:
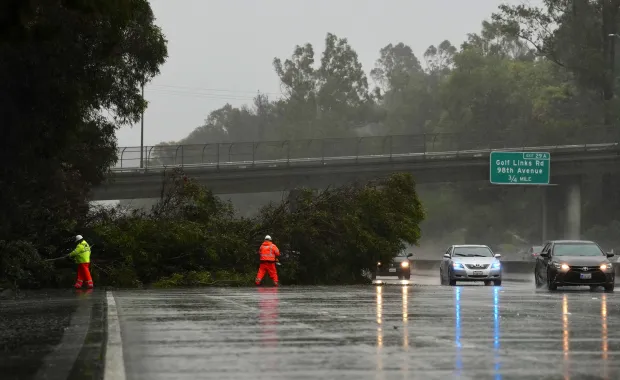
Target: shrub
[{"x": 21, "y": 265}]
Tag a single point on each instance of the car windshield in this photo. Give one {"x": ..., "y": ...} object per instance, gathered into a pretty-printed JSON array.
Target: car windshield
[
  {"x": 402, "y": 254},
  {"x": 577, "y": 249},
  {"x": 473, "y": 252}
]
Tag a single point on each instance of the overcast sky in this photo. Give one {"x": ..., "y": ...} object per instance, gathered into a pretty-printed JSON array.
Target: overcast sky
[{"x": 222, "y": 50}]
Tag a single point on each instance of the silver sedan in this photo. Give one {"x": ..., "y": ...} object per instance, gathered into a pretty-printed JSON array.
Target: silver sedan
[{"x": 470, "y": 263}]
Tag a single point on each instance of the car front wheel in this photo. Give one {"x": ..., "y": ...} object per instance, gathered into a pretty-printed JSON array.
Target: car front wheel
[
  {"x": 610, "y": 287},
  {"x": 537, "y": 280},
  {"x": 551, "y": 284},
  {"x": 451, "y": 281},
  {"x": 498, "y": 282}
]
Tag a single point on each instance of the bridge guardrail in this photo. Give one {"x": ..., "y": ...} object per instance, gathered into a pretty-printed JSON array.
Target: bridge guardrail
[{"x": 354, "y": 150}]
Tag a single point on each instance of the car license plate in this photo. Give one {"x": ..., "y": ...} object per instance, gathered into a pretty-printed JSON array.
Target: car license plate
[
  {"x": 392, "y": 269},
  {"x": 585, "y": 276},
  {"x": 478, "y": 273}
]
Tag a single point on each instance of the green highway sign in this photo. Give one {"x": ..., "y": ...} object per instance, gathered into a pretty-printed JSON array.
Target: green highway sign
[{"x": 520, "y": 168}]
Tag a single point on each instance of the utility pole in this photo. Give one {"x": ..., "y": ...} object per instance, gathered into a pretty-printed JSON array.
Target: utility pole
[
  {"x": 611, "y": 70},
  {"x": 142, "y": 133}
]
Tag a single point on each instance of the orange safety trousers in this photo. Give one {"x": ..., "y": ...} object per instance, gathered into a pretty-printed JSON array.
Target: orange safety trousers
[
  {"x": 83, "y": 274},
  {"x": 267, "y": 267}
]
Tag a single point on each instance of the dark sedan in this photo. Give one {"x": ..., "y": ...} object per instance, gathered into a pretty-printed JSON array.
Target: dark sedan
[
  {"x": 399, "y": 266},
  {"x": 574, "y": 263}
]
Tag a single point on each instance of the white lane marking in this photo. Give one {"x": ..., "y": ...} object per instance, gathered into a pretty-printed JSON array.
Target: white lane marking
[
  {"x": 58, "y": 364},
  {"x": 114, "y": 362}
]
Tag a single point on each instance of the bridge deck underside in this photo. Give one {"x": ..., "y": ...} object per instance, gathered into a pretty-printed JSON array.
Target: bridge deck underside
[{"x": 280, "y": 176}]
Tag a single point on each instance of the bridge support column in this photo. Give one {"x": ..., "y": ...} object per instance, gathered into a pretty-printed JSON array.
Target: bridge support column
[
  {"x": 551, "y": 213},
  {"x": 561, "y": 210},
  {"x": 573, "y": 210}
]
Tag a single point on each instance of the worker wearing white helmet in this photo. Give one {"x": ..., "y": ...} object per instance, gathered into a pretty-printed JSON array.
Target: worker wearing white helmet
[
  {"x": 268, "y": 254},
  {"x": 81, "y": 255}
]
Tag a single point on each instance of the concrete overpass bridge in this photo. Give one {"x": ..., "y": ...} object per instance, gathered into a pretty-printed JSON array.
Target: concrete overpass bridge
[{"x": 232, "y": 168}]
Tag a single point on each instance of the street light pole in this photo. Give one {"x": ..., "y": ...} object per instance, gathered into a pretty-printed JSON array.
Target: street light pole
[
  {"x": 611, "y": 69},
  {"x": 142, "y": 133}
]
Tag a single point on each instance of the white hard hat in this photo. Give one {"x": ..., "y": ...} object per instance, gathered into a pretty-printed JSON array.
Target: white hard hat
[
  {"x": 267, "y": 237},
  {"x": 78, "y": 238}
]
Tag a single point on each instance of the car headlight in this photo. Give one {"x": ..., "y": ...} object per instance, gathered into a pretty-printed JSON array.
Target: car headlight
[
  {"x": 606, "y": 266},
  {"x": 496, "y": 265},
  {"x": 404, "y": 264},
  {"x": 378, "y": 263},
  {"x": 563, "y": 267},
  {"x": 457, "y": 266}
]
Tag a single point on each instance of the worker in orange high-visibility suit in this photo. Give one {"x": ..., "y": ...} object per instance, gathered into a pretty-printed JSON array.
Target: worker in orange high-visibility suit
[
  {"x": 81, "y": 255},
  {"x": 268, "y": 253}
]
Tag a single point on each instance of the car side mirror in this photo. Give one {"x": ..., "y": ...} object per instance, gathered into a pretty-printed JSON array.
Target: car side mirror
[
  {"x": 410, "y": 255},
  {"x": 610, "y": 254},
  {"x": 446, "y": 255},
  {"x": 497, "y": 255},
  {"x": 544, "y": 254}
]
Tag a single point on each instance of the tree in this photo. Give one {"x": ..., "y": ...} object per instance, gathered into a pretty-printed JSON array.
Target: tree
[
  {"x": 298, "y": 82},
  {"x": 492, "y": 41},
  {"x": 577, "y": 35},
  {"x": 328, "y": 101},
  {"x": 63, "y": 63},
  {"x": 404, "y": 91},
  {"x": 395, "y": 66},
  {"x": 439, "y": 59}
]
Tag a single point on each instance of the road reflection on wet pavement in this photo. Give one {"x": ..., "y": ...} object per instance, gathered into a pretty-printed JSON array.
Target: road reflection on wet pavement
[{"x": 370, "y": 332}]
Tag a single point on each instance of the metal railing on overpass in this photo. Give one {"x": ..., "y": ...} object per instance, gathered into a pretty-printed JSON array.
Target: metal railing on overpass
[{"x": 232, "y": 155}]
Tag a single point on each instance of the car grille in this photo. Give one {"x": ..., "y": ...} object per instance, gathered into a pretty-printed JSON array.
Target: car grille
[
  {"x": 573, "y": 276},
  {"x": 473, "y": 266},
  {"x": 582, "y": 268}
]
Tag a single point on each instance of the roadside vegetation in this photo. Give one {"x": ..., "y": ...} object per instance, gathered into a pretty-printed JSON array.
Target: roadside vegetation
[
  {"x": 529, "y": 77},
  {"x": 192, "y": 238}
]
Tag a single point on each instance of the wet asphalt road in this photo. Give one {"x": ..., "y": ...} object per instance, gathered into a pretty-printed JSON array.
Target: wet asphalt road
[
  {"x": 419, "y": 331},
  {"x": 424, "y": 331},
  {"x": 52, "y": 335}
]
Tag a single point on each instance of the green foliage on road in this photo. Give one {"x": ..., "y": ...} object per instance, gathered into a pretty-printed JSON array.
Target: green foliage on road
[
  {"x": 342, "y": 232},
  {"x": 191, "y": 238}
]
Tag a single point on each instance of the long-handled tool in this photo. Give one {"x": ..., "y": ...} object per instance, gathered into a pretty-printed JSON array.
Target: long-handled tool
[
  {"x": 62, "y": 257},
  {"x": 57, "y": 258}
]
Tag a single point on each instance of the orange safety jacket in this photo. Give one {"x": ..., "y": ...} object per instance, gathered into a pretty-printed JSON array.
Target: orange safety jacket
[{"x": 268, "y": 251}]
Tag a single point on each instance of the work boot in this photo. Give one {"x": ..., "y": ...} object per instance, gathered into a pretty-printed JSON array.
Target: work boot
[
  {"x": 276, "y": 284},
  {"x": 90, "y": 284}
]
